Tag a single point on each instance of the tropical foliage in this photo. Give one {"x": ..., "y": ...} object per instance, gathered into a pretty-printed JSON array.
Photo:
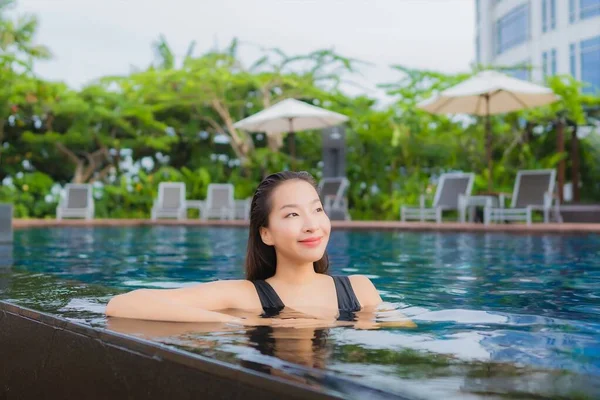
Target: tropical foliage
[{"x": 173, "y": 121}]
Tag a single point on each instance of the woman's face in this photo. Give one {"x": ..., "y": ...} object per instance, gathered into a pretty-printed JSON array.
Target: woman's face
[{"x": 298, "y": 226}]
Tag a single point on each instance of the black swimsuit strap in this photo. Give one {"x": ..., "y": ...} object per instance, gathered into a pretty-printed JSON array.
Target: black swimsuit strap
[
  {"x": 269, "y": 300},
  {"x": 346, "y": 297},
  {"x": 347, "y": 301}
]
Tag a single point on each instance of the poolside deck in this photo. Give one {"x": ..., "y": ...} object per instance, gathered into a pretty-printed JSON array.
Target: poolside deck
[{"x": 391, "y": 225}]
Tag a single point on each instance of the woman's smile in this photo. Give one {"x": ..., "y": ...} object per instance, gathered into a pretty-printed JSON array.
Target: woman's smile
[{"x": 311, "y": 241}]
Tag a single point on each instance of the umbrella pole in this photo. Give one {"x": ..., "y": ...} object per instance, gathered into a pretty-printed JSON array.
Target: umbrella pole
[
  {"x": 488, "y": 141},
  {"x": 292, "y": 145}
]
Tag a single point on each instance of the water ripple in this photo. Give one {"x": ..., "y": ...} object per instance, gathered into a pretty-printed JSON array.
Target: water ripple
[{"x": 496, "y": 314}]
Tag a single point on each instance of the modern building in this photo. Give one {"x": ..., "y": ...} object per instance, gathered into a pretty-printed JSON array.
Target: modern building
[{"x": 551, "y": 36}]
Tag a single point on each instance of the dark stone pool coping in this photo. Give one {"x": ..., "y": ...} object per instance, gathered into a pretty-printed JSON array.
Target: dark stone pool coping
[
  {"x": 388, "y": 225},
  {"x": 45, "y": 356}
]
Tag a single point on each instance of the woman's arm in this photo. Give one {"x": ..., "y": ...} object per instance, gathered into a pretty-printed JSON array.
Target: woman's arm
[{"x": 197, "y": 303}]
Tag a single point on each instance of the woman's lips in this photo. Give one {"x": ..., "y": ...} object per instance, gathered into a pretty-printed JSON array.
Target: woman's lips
[{"x": 311, "y": 242}]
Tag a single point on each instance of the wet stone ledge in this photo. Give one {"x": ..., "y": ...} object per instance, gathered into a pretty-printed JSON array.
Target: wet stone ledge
[{"x": 45, "y": 357}]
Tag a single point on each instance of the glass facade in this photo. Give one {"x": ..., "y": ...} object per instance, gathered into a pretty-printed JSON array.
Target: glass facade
[
  {"x": 573, "y": 60},
  {"x": 549, "y": 63},
  {"x": 545, "y": 63},
  {"x": 544, "y": 16},
  {"x": 512, "y": 29},
  {"x": 589, "y": 8},
  {"x": 519, "y": 73},
  {"x": 548, "y": 15},
  {"x": 590, "y": 64}
]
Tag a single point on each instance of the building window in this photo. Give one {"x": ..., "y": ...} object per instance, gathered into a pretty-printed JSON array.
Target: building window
[
  {"x": 512, "y": 29},
  {"x": 544, "y": 16},
  {"x": 548, "y": 15},
  {"x": 549, "y": 63},
  {"x": 572, "y": 11},
  {"x": 590, "y": 64},
  {"x": 520, "y": 72},
  {"x": 545, "y": 63},
  {"x": 573, "y": 60},
  {"x": 589, "y": 8}
]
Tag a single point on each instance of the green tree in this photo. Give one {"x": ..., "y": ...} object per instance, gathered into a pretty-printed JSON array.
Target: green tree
[{"x": 17, "y": 53}]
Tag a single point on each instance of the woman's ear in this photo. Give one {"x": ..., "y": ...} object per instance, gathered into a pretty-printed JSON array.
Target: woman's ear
[{"x": 266, "y": 237}]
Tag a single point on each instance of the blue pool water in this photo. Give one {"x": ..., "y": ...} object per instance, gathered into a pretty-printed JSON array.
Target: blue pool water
[{"x": 497, "y": 314}]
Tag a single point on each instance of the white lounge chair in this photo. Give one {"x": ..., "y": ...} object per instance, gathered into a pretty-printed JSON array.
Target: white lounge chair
[
  {"x": 242, "y": 209},
  {"x": 170, "y": 202},
  {"x": 77, "y": 202},
  {"x": 333, "y": 194},
  {"x": 533, "y": 190},
  {"x": 219, "y": 202},
  {"x": 451, "y": 185}
]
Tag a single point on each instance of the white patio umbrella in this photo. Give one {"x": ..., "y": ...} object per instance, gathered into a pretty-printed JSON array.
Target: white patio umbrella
[
  {"x": 489, "y": 93},
  {"x": 290, "y": 116}
]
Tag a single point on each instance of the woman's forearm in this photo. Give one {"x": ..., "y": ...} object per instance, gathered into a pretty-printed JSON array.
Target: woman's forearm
[{"x": 141, "y": 304}]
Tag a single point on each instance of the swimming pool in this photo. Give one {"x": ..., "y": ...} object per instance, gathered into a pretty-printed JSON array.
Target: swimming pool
[{"x": 497, "y": 314}]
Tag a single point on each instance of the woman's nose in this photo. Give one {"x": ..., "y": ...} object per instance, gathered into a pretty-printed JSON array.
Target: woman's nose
[{"x": 310, "y": 223}]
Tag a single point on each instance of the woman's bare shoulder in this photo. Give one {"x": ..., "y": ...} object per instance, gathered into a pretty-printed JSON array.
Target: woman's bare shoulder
[
  {"x": 365, "y": 291},
  {"x": 226, "y": 284},
  {"x": 237, "y": 293}
]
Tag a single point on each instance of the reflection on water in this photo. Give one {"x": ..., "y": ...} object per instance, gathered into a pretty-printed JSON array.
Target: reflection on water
[{"x": 496, "y": 314}]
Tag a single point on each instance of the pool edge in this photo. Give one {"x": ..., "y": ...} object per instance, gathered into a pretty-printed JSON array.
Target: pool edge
[
  {"x": 49, "y": 354},
  {"x": 536, "y": 228}
]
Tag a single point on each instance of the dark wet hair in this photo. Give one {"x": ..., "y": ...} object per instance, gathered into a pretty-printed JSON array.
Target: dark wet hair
[{"x": 261, "y": 259}]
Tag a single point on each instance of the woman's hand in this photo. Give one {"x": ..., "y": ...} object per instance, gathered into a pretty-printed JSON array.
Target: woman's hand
[{"x": 370, "y": 324}]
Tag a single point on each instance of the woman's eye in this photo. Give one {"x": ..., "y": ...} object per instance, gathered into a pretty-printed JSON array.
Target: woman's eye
[
  {"x": 291, "y": 215},
  {"x": 320, "y": 209}
]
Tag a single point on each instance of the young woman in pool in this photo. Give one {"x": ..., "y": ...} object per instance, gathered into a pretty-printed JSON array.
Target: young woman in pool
[{"x": 286, "y": 267}]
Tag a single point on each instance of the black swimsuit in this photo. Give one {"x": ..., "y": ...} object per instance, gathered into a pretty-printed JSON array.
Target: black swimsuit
[{"x": 347, "y": 302}]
